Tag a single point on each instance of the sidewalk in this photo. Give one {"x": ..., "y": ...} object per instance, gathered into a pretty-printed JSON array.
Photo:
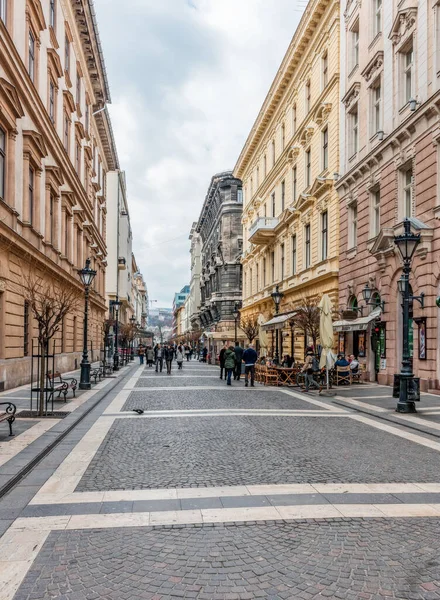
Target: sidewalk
[
  {"x": 35, "y": 436},
  {"x": 377, "y": 400}
]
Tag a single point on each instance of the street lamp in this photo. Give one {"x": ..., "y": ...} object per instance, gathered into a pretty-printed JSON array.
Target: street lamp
[
  {"x": 87, "y": 275},
  {"x": 369, "y": 299},
  {"x": 116, "y": 305},
  {"x": 235, "y": 314},
  {"x": 132, "y": 321},
  {"x": 406, "y": 244},
  {"x": 277, "y": 296}
]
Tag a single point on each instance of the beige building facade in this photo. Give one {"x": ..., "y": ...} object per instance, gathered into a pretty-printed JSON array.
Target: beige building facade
[
  {"x": 54, "y": 155},
  {"x": 291, "y": 214},
  {"x": 390, "y": 135}
]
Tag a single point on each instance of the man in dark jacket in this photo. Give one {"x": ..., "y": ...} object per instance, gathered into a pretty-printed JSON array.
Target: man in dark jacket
[
  {"x": 249, "y": 358},
  {"x": 158, "y": 357},
  {"x": 238, "y": 360},
  {"x": 222, "y": 361},
  {"x": 169, "y": 355}
]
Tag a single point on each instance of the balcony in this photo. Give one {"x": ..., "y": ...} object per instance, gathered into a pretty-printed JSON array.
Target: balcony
[{"x": 262, "y": 231}]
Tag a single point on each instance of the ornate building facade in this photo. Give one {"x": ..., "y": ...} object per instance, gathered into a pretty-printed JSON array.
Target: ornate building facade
[
  {"x": 219, "y": 227},
  {"x": 291, "y": 213},
  {"x": 390, "y": 136},
  {"x": 55, "y": 150}
]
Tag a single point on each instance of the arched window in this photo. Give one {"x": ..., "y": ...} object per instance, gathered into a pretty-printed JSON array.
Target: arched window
[{"x": 352, "y": 302}]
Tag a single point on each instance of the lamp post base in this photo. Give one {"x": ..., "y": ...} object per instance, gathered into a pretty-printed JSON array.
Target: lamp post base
[
  {"x": 406, "y": 403},
  {"x": 84, "y": 383}
]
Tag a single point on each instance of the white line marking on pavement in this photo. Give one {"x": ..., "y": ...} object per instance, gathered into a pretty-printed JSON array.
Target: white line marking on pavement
[
  {"x": 244, "y": 412},
  {"x": 10, "y": 449},
  {"x": 358, "y": 403},
  {"x": 306, "y": 398}
]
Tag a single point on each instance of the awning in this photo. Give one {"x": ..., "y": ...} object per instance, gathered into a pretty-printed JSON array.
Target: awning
[
  {"x": 227, "y": 336},
  {"x": 278, "y": 322},
  {"x": 360, "y": 324}
]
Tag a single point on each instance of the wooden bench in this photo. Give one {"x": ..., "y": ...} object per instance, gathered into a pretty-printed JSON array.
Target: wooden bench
[
  {"x": 60, "y": 384},
  {"x": 8, "y": 414}
]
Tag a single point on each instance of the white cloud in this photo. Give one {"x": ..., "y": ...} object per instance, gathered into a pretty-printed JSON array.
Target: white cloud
[{"x": 187, "y": 79}]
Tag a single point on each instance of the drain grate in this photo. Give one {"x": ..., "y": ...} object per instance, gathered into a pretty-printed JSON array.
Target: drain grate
[{"x": 32, "y": 414}]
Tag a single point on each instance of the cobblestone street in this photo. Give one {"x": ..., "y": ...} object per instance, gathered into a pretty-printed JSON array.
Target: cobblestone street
[{"x": 225, "y": 493}]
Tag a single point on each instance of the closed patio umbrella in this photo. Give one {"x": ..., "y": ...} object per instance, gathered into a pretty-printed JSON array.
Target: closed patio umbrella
[{"x": 328, "y": 358}]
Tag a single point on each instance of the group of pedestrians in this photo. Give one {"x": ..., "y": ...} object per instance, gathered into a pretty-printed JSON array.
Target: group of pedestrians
[
  {"x": 231, "y": 360},
  {"x": 166, "y": 353}
]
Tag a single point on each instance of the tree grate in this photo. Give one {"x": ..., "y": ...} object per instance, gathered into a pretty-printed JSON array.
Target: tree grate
[{"x": 32, "y": 414}]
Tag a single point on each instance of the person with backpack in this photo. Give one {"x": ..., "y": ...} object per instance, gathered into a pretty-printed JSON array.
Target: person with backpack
[
  {"x": 229, "y": 363},
  {"x": 311, "y": 366},
  {"x": 238, "y": 360},
  {"x": 249, "y": 358}
]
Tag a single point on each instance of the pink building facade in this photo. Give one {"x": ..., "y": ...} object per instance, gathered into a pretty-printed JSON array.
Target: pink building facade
[{"x": 390, "y": 151}]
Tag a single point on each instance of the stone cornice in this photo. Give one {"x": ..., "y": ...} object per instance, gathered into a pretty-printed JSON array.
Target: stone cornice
[
  {"x": 373, "y": 66},
  {"x": 295, "y": 53}
]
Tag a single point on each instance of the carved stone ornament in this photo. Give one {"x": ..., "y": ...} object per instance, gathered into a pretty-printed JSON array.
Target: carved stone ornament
[
  {"x": 352, "y": 95},
  {"x": 374, "y": 66},
  {"x": 293, "y": 153},
  {"x": 307, "y": 135},
  {"x": 350, "y": 288},
  {"x": 403, "y": 23},
  {"x": 322, "y": 204},
  {"x": 306, "y": 217},
  {"x": 322, "y": 113},
  {"x": 2, "y": 285}
]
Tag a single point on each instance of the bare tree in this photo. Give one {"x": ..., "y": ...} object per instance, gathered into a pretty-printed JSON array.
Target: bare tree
[
  {"x": 251, "y": 327},
  {"x": 307, "y": 318},
  {"x": 49, "y": 301}
]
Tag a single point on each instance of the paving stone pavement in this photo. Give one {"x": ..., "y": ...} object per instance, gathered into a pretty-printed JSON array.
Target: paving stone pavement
[
  {"x": 237, "y": 450},
  {"x": 199, "y": 399},
  {"x": 347, "y": 559}
]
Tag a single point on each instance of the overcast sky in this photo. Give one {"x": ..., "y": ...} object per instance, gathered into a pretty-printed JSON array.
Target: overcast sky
[{"x": 187, "y": 79}]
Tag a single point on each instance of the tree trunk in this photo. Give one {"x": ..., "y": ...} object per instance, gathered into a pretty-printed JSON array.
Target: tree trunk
[{"x": 42, "y": 376}]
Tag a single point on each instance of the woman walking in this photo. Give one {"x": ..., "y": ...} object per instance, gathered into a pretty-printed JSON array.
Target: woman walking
[
  {"x": 229, "y": 363},
  {"x": 179, "y": 357},
  {"x": 310, "y": 367},
  {"x": 150, "y": 356}
]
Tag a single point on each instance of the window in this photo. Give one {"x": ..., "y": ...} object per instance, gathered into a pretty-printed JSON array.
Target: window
[
  {"x": 283, "y": 195},
  {"x": 3, "y": 10},
  {"x": 51, "y": 215},
  {"x": 66, "y": 132},
  {"x": 66, "y": 234},
  {"x": 293, "y": 254},
  {"x": 2, "y": 163},
  {"x": 87, "y": 118},
  {"x": 250, "y": 282},
  {"x": 239, "y": 191},
  {"x": 282, "y": 262},
  {"x": 31, "y": 55},
  {"x": 78, "y": 89},
  {"x": 26, "y": 329},
  {"x": 408, "y": 193},
  {"x": 377, "y": 108},
  {"x": 308, "y": 167},
  {"x": 258, "y": 177},
  {"x": 52, "y": 14},
  {"x": 325, "y": 149},
  {"x": 354, "y": 33},
  {"x": 78, "y": 158},
  {"x": 31, "y": 195},
  {"x": 252, "y": 187},
  {"x": 257, "y": 274},
  {"x": 273, "y": 203},
  {"x": 283, "y": 136},
  {"x": 324, "y": 235},
  {"x": 265, "y": 165},
  {"x": 294, "y": 119},
  {"x": 308, "y": 96},
  {"x": 272, "y": 265},
  {"x": 67, "y": 54},
  {"x": 377, "y": 16},
  {"x": 375, "y": 212},
  {"x": 264, "y": 272},
  {"x": 52, "y": 102},
  {"x": 273, "y": 153},
  {"x": 408, "y": 74},
  {"x": 294, "y": 183},
  {"x": 353, "y": 131},
  {"x": 353, "y": 222},
  {"x": 307, "y": 245},
  {"x": 325, "y": 70}
]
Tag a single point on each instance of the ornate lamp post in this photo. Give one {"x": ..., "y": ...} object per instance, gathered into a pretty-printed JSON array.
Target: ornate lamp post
[
  {"x": 406, "y": 244},
  {"x": 116, "y": 305},
  {"x": 87, "y": 275},
  {"x": 132, "y": 321},
  {"x": 235, "y": 314},
  {"x": 277, "y": 296}
]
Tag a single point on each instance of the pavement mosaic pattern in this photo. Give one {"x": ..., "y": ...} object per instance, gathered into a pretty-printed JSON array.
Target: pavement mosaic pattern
[
  {"x": 199, "y": 399},
  {"x": 207, "y": 451},
  {"x": 348, "y": 559},
  {"x": 164, "y": 380}
]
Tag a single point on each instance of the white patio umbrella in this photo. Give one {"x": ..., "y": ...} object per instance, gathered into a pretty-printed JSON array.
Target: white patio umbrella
[{"x": 328, "y": 358}]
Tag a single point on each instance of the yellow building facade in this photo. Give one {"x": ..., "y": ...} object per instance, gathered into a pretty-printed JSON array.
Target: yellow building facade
[{"x": 288, "y": 166}]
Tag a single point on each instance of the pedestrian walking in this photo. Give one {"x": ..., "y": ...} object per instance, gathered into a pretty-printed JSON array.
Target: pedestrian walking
[
  {"x": 169, "y": 355},
  {"x": 238, "y": 361},
  {"x": 221, "y": 359},
  {"x": 191, "y": 352},
  {"x": 150, "y": 356},
  {"x": 179, "y": 357},
  {"x": 158, "y": 357},
  {"x": 141, "y": 354},
  {"x": 311, "y": 366},
  {"x": 229, "y": 363},
  {"x": 249, "y": 358},
  {"x": 204, "y": 354},
  {"x": 187, "y": 352}
]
